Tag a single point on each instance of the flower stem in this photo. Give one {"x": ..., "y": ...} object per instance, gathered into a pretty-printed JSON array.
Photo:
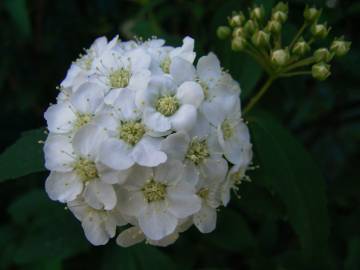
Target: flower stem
[
  {"x": 298, "y": 34},
  {"x": 296, "y": 73},
  {"x": 259, "y": 94}
]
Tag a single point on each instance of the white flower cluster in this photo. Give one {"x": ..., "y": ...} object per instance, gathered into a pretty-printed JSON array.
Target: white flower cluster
[{"x": 141, "y": 137}]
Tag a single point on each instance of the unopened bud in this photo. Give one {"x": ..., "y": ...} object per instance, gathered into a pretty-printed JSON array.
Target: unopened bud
[
  {"x": 250, "y": 27},
  {"x": 311, "y": 14},
  {"x": 257, "y": 13},
  {"x": 279, "y": 16},
  {"x": 320, "y": 71},
  {"x": 238, "y": 32},
  {"x": 238, "y": 44},
  {"x": 320, "y": 30},
  {"x": 280, "y": 57},
  {"x": 281, "y": 6},
  {"x": 260, "y": 39},
  {"x": 223, "y": 32},
  {"x": 274, "y": 27},
  {"x": 301, "y": 47},
  {"x": 236, "y": 19},
  {"x": 340, "y": 47},
  {"x": 322, "y": 55}
]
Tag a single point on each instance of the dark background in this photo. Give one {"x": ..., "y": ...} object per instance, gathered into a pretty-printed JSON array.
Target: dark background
[{"x": 38, "y": 41}]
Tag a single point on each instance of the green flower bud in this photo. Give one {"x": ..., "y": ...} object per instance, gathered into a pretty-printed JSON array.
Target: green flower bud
[
  {"x": 238, "y": 32},
  {"x": 301, "y": 47},
  {"x": 260, "y": 39},
  {"x": 280, "y": 57},
  {"x": 340, "y": 47},
  {"x": 322, "y": 55},
  {"x": 223, "y": 32},
  {"x": 236, "y": 19},
  {"x": 281, "y": 6},
  {"x": 320, "y": 30},
  {"x": 311, "y": 14},
  {"x": 238, "y": 44},
  {"x": 257, "y": 13},
  {"x": 279, "y": 16},
  {"x": 274, "y": 27},
  {"x": 320, "y": 71},
  {"x": 250, "y": 27}
]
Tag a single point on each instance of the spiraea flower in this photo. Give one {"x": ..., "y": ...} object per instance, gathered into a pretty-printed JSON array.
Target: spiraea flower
[{"x": 143, "y": 139}]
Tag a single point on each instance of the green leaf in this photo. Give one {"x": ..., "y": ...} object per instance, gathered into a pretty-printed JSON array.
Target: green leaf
[
  {"x": 19, "y": 14},
  {"x": 352, "y": 261},
  {"x": 232, "y": 232},
  {"x": 25, "y": 156},
  {"x": 287, "y": 169}
]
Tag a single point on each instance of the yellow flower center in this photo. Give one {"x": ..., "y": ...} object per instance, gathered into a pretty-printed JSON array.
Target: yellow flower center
[
  {"x": 203, "y": 193},
  {"x": 165, "y": 64},
  {"x": 198, "y": 151},
  {"x": 154, "y": 191},
  {"x": 85, "y": 61},
  {"x": 82, "y": 120},
  {"x": 131, "y": 132},
  {"x": 237, "y": 177},
  {"x": 205, "y": 89},
  {"x": 119, "y": 78},
  {"x": 86, "y": 169},
  {"x": 227, "y": 129},
  {"x": 167, "y": 105}
]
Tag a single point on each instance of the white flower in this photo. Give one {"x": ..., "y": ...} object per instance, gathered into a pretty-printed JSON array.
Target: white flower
[
  {"x": 158, "y": 197},
  {"x": 99, "y": 225},
  {"x": 79, "y": 110},
  {"x": 201, "y": 155},
  {"x": 129, "y": 140},
  {"x": 234, "y": 138},
  {"x": 168, "y": 107},
  {"x": 75, "y": 169}
]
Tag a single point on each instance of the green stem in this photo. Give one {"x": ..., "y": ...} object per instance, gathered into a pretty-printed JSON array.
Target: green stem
[
  {"x": 301, "y": 63},
  {"x": 259, "y": 94},
  {"x": 298, "y": 34},
  {"x": 296, "y": 73}
]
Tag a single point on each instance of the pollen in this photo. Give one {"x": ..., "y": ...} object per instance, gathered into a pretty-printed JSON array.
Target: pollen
[
  {"x": 203, "y": 193},
  {"x": 82, "y": 120},
  {"x": 167, "y": 105},
  {"x": 198, "y": 151},
  {"x": 154, "y": 191},
  {"x": 227, "y": 129},
  {"x": 205, "y": 89},
  {"x": 119, "y": 78},
  {"x": 86, "y": 169},
  {"x": 131, "y": 132},
  {"x": 85, "y": 61},
  {"x": 165, "y": 64}
]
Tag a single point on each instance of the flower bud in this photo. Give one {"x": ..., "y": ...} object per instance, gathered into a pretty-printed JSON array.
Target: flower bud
[
  {"x": 223, "y": 32},
  {"x": 260, "y": 39},
  {"x": 279, "y": 16},
  {"x": 320, "y": 71},
  {"x": 257, "y": 13},
  {"x": 280, "y": 57},
  {"x": 238, "y": 32},
  {"x": 322, "y": 55},
  {"x": 340, "y": 47},
  {"x": 281, "y": 6},
  {"x": 250, "y": 27},
  {"x": 320, "y": 30},
  {"x": 274, "y": 27},
  {"x": 236, "y": 19},
  {"x": 238, "y": 44},
  {"x": 311, "y": 14},
  {"x": 301, "y": 47}
]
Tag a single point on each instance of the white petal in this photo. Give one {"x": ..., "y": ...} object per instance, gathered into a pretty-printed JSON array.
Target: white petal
[
  {"x": 116, "y": 154},
  {"x": 176, "y": 145},
  {"x": 111, "y": 176},
  {"x": 214, "y": 168},
  {"x": 201, "y": 128},
  {"x": 63, "y": 187},
  {"x": 169, "y": 172},
  {"x": 60, "y": 118},
  {"x": 88, "y": 98},
  {"x": 156, "y": 121},
  {"x": 59, "y": 153},
  {"x": 94, "y": 229},
  {"x": 87, "y": 141},
  {"x": 130, "y": 237},
  {"x": 100, "y": 195},
  {"x": 139, "y": 59},
  {"x": 107, "y": 121},
  {"x": 191, "y": 172},
  {"x": 125, "y": 104},
  {"x": 186, "y": 51},
  {"x": 190, "y": 93},
  {"x": 183, "y": 201},
  {"x": 184, "y": 119},
  {"x": 131, "y": 203},
  {"x": 71, "y": 75},
  {"x": 205, "y": 219},
  {"x": 137, "y": 177},
  {"x": 166, "y": 241},
  {"x": 156, "y": 222},
  {"x": 218, "y": 108},
  {"x": 182, "y": 70},
  {"x": 147, "y": 152},
  {"x": 208, "y": 67}
]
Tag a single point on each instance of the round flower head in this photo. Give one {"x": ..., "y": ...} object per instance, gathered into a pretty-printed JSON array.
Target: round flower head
[{"x": 142, "y": 137}]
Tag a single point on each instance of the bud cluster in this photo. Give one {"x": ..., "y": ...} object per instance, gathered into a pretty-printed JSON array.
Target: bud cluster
[{"x": 260, "y": 35}]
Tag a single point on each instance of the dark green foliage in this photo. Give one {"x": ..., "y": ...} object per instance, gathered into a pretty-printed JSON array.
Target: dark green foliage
[{"x": 302, "y": 208}]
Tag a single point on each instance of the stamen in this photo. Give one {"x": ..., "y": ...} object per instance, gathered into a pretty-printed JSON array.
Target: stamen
[
  {"x": 131, "y": 132},
  {"x": 198, "y": 151},
  {"x": 154, "y": 191},
  {"x": 86, "y": 169},
  {"x": 119, "y": 78},
  {"x": 227, "y": 129},
  {"x": 167, "y": 105}
]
